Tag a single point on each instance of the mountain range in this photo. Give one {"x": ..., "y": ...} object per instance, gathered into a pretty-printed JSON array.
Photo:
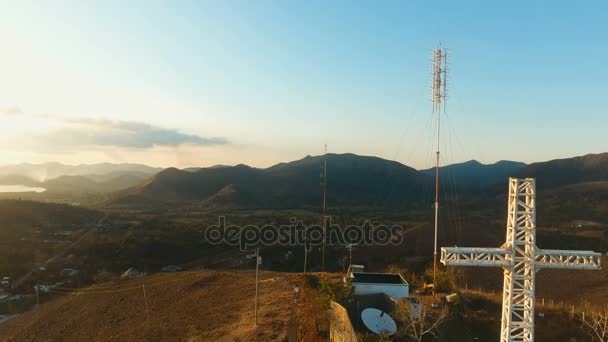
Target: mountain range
[
  {"x": 70, "y": 179},
  {"x": 475, "y": 173},
  {"x": 46, "y": 171},
  {"x": 352, "y": 180},
  {"x": 355, "y": 180}
]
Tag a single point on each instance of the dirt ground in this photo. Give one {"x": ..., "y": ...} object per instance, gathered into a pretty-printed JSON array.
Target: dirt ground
[
  {"x": 218, "y": 306},
  {"x": 185, "y": 306}
]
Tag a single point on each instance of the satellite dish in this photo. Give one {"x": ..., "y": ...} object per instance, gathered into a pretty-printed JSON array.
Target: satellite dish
[{"x": 378, "y": 321}]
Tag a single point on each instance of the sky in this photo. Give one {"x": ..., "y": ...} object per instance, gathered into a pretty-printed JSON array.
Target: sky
[{"x": 201, "y": 83}]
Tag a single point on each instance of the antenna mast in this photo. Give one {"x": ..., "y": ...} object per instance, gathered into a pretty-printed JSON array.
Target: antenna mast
[
  {"x": 324, "y": 208},
  {"x": 438, "y": 94}
]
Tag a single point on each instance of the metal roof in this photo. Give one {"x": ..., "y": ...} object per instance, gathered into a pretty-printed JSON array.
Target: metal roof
[{"x": 378, "y": 278}]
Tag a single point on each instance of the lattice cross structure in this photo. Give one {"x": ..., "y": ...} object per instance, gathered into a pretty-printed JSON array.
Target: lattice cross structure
[{"x": 520, "y": 259}]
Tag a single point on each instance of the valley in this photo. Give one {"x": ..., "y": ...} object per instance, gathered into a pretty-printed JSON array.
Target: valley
[{"x": 161, "y": 221}]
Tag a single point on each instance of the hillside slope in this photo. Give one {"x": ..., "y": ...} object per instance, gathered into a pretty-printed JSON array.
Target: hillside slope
[
  {"x": 475, "y": 173},
  {"x": 185, "y": 306},
  {"x": 353, "y": 180},
  {"x": 26, "y": 215},
  {"x": 42, "y": 172},
  {"x": 560, "y": 172}
]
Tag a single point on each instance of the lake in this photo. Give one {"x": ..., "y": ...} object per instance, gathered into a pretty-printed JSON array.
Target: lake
[{"x": 20, "y": 188}]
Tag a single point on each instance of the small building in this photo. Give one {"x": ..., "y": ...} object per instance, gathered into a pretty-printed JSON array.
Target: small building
[
  {"x": 69, "y": 272},
  {"x": 378, "y": 301},
  {"x": 131, "y": 273},
  {"x": 6, "y": 318},
  {"x": 355, "y": 269},
  {"x": 6, "y": 282},
  {"x": 451, "y": 299},
  {"x": 49, "y": 288},
  {"x": 390, "y": 284}
]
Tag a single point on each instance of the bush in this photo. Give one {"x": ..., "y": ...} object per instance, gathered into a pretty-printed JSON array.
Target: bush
[
  {"x": 311, "y": 280},
  {"x": 445, "y": 279},
  {"x": 409, "y": 276},
  {"x": 338, "y": 292}
]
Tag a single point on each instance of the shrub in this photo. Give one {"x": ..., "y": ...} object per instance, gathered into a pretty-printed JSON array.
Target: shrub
[{"x": 311, "y": 281}]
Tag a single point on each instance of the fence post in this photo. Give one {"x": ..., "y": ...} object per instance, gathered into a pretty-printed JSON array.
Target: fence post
[{"x": 572, "y": 313}]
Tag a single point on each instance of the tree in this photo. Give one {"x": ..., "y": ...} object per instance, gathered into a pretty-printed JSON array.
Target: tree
[
  {"x": 595, "y": 322},
  {"x": 446, "y": 278},
  {"x": 417, "y": 321}
]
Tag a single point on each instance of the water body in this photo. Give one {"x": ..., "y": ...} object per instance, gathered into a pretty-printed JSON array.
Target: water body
[{"x": 20, "y": 188}]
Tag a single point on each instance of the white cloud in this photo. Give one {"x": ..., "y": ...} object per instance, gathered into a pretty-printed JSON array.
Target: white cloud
[
  {"x": 52, "y": 132},
  {"x": 129, "y": 134}
]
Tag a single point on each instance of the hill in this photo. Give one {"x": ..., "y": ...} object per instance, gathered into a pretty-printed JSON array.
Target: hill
[
  {"x": 28, "y": 214},
  {"x": 72, "y": 183},
  {"x": 72, "y": 189},
  {"x": 195, "y": 169},
  {"x": 42, "y": 172},
  {"x": 359, "y": 181},
  {"x": 88, "y": 184},
  {"x": 186, "y": 306},
  {"x": 560, "y": 172},
  {"x": 477, "y": 174},
  {"x": 25, "y": 226},
  {"x": 569, "y": 190},
  {"x": 353, "y": 180},
  {"x": 218, "y": 306},
  {"x": 18, "y": 180}
]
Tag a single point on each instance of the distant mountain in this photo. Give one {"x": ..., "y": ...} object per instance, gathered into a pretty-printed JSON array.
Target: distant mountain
[
  {"x": 192, "y": 169},
  {"x": 560, "y": 172},
  {"x": 17, "y": 180},
  {"x": 87, "y": 184},
  {"x": 74, "y": 180},
  {"x": 195, "y": 169},
  {"x": 567, "y": 189},
  {"x": 78, "y": 185},
  {"x": 125, "y": 175},
  {"x": 43, "y": 172},
  {"x": 352, "y": 180},
  {"x": 475, "y": 173}
]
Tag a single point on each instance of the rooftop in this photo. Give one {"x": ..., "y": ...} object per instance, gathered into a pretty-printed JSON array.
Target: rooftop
[{"x": 378, "y": 278}]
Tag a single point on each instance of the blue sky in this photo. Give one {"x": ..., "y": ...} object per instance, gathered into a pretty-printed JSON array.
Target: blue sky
[{"x": 228, "y": 82}]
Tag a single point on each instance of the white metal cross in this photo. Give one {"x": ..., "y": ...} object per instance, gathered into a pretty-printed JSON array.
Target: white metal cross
[{"x": 520, "y": 259}]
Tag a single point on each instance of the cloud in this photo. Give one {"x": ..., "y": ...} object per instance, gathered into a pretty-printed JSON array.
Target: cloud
[
  {"x": 128, "y": 134},
  {"x": 51, "y": 133}
]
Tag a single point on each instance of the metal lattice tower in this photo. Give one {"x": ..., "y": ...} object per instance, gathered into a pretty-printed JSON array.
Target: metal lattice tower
[
  {"x": 520, "y": 259},
  {"x": 438, "y": 95}
]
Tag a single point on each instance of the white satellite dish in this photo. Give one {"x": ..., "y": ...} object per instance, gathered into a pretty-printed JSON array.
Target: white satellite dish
[{"x": 378, "y": 321}]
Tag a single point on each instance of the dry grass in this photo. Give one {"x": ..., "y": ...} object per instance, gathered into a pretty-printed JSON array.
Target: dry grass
[{"x": 187, "y": 306}]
